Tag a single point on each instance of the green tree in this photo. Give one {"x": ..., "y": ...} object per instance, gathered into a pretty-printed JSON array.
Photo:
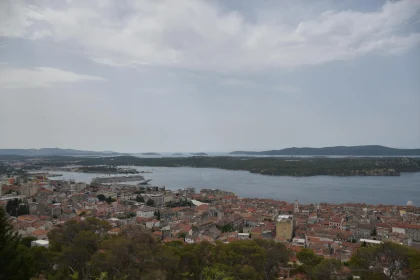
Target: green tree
[
  {"x": 110, "y": 200},
  {"x": 15, "y": 262},
  {"x": 309, "y": 260},
  {"x": 150, "y": 202},
  {"x": 181, "y": 235},
  {"x": 139, "y": 198},
  {"x": 158, "y": 215},
  {"x": 27, "y": 241},
  {"x": 327, "y": 269},
  {"x": 386, "y": 261},
  {"x": 73, "y": 245},
  {"x": 216, "y": 272},
  {"x": 101, "y": 197}
]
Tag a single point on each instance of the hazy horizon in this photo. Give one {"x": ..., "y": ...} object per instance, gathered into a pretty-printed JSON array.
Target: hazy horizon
[
  {"x": 189, "y": 152},
  {"x": 209, "y": 76}
]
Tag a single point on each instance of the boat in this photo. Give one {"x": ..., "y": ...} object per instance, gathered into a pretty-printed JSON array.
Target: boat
[{"x": 144, "y": 182}]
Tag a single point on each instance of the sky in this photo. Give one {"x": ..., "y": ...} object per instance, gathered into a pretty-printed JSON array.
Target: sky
[{"x": 209, "y": 76}]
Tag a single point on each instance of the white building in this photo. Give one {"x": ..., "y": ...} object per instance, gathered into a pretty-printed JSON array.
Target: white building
[
  {"x": 189, "y": 239},
  {"x": 146, "y": 212},
  {"x": 41, "y": 243}
]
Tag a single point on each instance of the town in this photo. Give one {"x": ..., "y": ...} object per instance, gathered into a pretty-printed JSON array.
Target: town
[{"x": 37, "y": 205}]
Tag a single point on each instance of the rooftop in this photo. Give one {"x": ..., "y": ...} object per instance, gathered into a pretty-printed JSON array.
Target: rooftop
[{"x": 284, "y": 218}]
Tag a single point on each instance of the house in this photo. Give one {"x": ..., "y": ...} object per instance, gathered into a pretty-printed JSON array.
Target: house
[
  {"x": 189, "y": 239},
  {"x": 299, "y": 241},
  {"x": 336, "y": 223},
  {"x": 382, "y": 230},
  {"x": 363, "y": 231},
  {"x": 41, "y": 243},
  {"x": 411, "y": 230},
  {"x": 152, "y": 223},
  {"x": 243, "y": 236},
  {"x": 186, "y": 213},
  {"x": 114, "y": 231},
  {"x": 213, "y": 232},
  {"x": 40, "y": 234},
  {"x": 146, "y": 212},
  {"x": 158, "y": 199}
]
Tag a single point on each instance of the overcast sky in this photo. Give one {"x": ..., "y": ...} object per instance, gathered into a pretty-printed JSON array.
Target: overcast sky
[{"x": 192, "y": 76}]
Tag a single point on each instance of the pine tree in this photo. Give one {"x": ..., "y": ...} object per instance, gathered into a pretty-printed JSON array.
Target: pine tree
[
  {"x": 14, "y": 260},
  {"x": 8, "y": 206}
]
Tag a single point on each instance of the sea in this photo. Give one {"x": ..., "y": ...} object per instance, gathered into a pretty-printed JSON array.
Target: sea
[{"x": 395, "y": 190}]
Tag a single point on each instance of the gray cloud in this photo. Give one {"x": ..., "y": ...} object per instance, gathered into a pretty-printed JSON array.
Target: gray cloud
[
  {"x": 40, "y": 77},
  {"x": 186, "y": 76},
  {"x": 199, "y": 35}
]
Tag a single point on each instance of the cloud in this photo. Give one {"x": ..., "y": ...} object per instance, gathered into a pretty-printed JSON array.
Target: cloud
[
  {"x": 203, "y": 35},
  {"x": 40, "y": 77},
  {"x": 249, "y": 84}
]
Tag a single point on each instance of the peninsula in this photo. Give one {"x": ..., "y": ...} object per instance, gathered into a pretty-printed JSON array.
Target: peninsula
[{"x": 278, "y": 166}]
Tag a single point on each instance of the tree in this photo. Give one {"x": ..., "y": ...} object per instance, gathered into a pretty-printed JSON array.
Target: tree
[
  {"x": 15, "y": 263},
  {"x": 217, "y": 272},
  {"x": 158, "y": 215},
  {"x": 150, "y": 202},
  {"x": 23, "y": 210},
  {"x": 182, "y": 235},
  {"x": 327, "y": 269},
  {"x": 309, "y": 260},
  {"x": 101, "y": 197},
  {"x": 73, "y": 245},
  {"x": 110, "y": 200},
  {"x": 374, "y": 232},
  {"x": 27, "y": 241},
  {"x": 139, "y": 198},
  {"x": 386, "y": 261}
]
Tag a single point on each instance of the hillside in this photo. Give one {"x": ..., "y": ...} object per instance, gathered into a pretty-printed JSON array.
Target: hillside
[
  {"x": 368, "y": 150},
  {"x": 54, "y": 152}
]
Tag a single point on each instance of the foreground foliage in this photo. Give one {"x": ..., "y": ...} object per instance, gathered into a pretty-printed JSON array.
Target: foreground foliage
[{"x": 85, "y": 250}]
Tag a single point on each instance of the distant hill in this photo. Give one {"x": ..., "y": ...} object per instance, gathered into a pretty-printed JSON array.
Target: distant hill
[
  {"x": 368, "y": 150},
  {"x": 199, "y": 154},
  {"x": 54, "y": 152},
  {"x": 150, "y": 154}
]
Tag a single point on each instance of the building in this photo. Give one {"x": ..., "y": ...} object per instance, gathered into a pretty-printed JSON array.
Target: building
[
  {"x": 296, "y": 207},
  {"x": 158, "y": 199},
  {"x": 41, "y": 243},
  {"x": 146, "y": 212},
  {"x": 363, "y": 231},
  {"x": 28, "y": 189},
  {"x": 412, "y": 231},
  {"x": 284, "y": 227}
]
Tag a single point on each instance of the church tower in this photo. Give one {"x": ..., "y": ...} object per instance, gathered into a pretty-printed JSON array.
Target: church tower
[{"x": 296, "y": 206}]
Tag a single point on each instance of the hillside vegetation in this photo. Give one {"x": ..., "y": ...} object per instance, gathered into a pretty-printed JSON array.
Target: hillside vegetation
[
  {"x": 85, "y": 250},
  {"x": 367, "y": 150},
  {"x": 265, "y": 166}
]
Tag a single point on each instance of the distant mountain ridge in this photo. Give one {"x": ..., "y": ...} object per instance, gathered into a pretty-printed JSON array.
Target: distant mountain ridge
[
  {"x": 367, "y": 150},
  {"x": 55, "y": 152}
]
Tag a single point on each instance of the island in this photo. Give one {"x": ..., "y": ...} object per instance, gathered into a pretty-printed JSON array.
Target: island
[
  {"x": 277, "y": 166},
  {"x": 199, "y": 154},
  {"x": 366, "y": 150},
  {"x": 55, "y": 152},
  {"x": 105, "y": 169},
  {"x": 177, "y": 154},
  {"x": 150, "y": 154}
]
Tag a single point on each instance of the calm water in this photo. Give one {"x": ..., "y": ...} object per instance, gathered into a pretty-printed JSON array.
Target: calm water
[{"x": 374, "y": 190}]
